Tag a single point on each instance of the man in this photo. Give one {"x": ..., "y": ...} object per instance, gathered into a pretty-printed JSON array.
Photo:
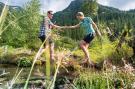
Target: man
[
  {"x": 87, "y": 24},
  {"x": 46, "y": 33}
]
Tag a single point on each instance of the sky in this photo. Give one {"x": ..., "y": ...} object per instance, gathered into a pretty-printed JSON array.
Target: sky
[
  {"x": 120, "y": 4},
  {"x": 58, "y": 5}
]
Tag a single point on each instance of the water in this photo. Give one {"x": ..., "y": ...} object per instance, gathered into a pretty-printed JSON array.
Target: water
[
  {"x": 37, "y": 77},
  {"x": 10, "y": 72}
]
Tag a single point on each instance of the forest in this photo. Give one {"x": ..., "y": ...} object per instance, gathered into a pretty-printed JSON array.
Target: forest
[{"x": 113, "y": 53}]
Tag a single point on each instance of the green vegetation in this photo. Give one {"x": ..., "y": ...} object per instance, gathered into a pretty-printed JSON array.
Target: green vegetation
[
  {"x": 24, "y": 62},
  {"x": 10, "y": 55},
  {"x": 21, "y": 26},
  {"x": 20, "y": 45},
  {"x": 104, "y": 80}
]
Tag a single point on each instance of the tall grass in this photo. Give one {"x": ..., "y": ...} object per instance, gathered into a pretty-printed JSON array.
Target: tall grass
[
  {"x": 104, "y": 80},
  {"x": 55, "y": 75},
  {"x": 48, "y": 67},
  {"x": 12, "y": 23},
  {"x": 3, "y": 15},
  {"x": 14, "y": 79},
  {"x": 34, "y": 61}
]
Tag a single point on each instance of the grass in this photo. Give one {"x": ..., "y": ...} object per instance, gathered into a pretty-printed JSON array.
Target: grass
[
  {"x": 48, "y": 65},
  {"x": 104, "y": 80},
  {"x": 3, "y": 16},
  {"x": 107, "y": 50},
  {"x": 87, "y": 79}
]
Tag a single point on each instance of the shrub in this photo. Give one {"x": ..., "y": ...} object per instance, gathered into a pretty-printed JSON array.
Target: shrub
[{"x": 24, "y": 62}]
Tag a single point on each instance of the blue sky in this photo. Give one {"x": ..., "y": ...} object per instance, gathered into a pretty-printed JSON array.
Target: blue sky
[
  {"x": 120, "y": 4},
  {"x": 58, "y": 5}
]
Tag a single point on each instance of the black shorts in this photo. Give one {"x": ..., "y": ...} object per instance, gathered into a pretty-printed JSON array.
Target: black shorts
[
  {"x": 43, "y": 38},
  {"x": 88, "y": 38}
]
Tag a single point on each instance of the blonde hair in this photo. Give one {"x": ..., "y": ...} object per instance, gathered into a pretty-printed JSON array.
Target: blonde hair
[{"x": 80, "y": 14}]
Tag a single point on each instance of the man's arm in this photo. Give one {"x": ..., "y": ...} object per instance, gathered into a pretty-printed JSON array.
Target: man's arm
[
  {"x": 67, "y": 27},
  {"x": 97, "y": 30},
  {"x": 58, "y": 27}
]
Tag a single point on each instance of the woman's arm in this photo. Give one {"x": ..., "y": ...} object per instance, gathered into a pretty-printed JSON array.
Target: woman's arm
[
  {"x": 67, "y": 27},
  {"x": 97, "y": 30},
  {"x": 73, "y": 27}
]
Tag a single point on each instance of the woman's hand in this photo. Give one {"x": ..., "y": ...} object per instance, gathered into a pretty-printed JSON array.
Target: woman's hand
[
  {"x": 72, "y": 27},
  {"x": 67, "y": 27}
]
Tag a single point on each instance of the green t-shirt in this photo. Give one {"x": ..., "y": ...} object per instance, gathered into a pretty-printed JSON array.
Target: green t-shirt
[{"x": 86, "y": 24}]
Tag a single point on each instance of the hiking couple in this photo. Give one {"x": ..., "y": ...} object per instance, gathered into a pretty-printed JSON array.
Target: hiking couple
[{"x": 85, "y": 22}]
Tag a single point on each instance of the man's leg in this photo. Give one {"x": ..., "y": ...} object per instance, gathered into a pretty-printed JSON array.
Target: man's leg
[
  {"x": 44, "y": 46},
  {"x": 51, "y": 51},
  {"x": 43, "y": 49}
]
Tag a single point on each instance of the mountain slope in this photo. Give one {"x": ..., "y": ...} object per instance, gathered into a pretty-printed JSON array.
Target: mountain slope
[
  {"x": 75, "y": 6},
  {"x": 106, "y": 15},
  {"x": 10, "y": 7}
]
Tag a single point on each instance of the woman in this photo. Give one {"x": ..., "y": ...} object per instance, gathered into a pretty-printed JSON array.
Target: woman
[{"x": 87, "y": 24}]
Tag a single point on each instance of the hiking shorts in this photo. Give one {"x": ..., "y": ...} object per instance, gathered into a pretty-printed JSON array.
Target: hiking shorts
[
  {"x": 49, "y": 39},
  {"x": 88, "y": 38}
]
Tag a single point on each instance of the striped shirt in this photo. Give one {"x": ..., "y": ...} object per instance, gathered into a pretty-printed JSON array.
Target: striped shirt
[{"x": 45, "y": 28}]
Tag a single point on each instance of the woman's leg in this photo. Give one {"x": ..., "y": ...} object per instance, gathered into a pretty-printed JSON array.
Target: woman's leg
[{"x": 84, "y": 46}]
